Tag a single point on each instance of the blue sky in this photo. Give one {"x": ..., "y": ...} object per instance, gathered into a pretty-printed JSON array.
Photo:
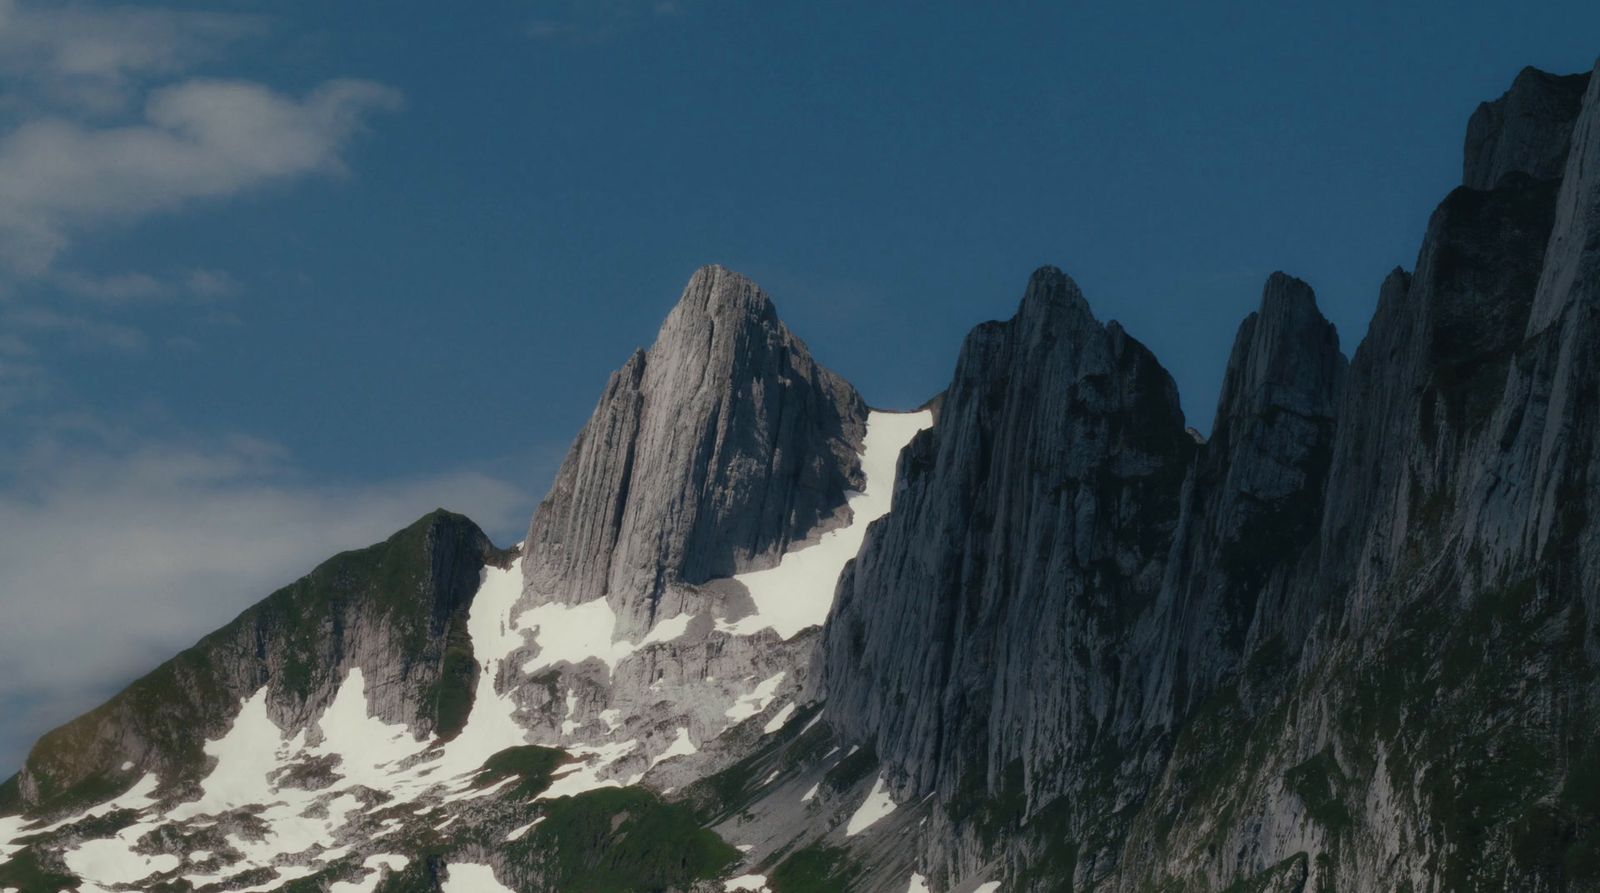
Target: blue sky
[{"x": 276, "y": 278}]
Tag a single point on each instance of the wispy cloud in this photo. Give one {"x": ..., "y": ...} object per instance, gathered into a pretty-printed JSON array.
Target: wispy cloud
[
  {"x": 199, "y": 286},
  {"x": 120, "y": 551},
  {"x": 199, "y": 139},
  {"x": 81, "y": 331},
  {"x": 96, "y": 58},
  {"x": 112, "y": 114},
  {"x": 593, "y": 21}
]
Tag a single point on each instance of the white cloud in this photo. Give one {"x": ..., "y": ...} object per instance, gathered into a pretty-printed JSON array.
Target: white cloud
[
  {"x": 117, "y": 550},
  {"x": 200, "y": 139},
  {"x": 118, "y": 555},
  {"x": 593, "y": 21},
  {"x": 80, "y": 331},
  {"x": 135, "y": 288},
  {"x": 92, "y": 58}
]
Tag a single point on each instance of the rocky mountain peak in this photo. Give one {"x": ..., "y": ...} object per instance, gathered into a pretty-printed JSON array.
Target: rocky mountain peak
[
  {"x": 706, "y": 455},
  {"x": 717, "y": 305},
  {"x": 1052, "y": 296},
  {"x": 1285, "y": 355},
  {"x": 1057, "y": 437},
  {"x": 1527, "y": 130},
  {"x": 1253, "y": 500}
]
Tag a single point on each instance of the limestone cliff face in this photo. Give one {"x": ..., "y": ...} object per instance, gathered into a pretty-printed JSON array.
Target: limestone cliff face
[
  {"x": 981, "y": 637},
  {"x": 1350, "y": 650},
  {"x": 707, "y": 455},
  {"x": 1429, "y": 734},
  {"x": 715, "y": 452},
  {"x": 1252, "y": 502}
]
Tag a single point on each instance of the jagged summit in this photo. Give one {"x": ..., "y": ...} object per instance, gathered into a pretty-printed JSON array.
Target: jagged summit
[
  {"x": 1050, "y": 293},
  {"x": 707, "y": 455},
  {"x": 938, "y": 625},
  {"x": 1286, "y": 354},
  {"x": 716, "y": 291},
  {"x": 1527, "y": 130}
]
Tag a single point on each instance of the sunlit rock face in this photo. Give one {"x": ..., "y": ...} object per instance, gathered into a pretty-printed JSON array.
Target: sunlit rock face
[{"x": 709, "y": 454}]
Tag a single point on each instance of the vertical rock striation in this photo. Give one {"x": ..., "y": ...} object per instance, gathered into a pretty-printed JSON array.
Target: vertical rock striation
[
  {"x": 1528, "y": 130},
  {"x": 1252, "y": 502},
  {"x": 707, "y": 455},
  {"x": 1349, "y": 651},
  {"x": 979, "y": 641}
]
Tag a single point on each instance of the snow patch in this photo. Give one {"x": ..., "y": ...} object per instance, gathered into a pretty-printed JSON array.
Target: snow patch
[
  {"x": 877, "y": 805},
  {"x": 808, "y": 796},
  {"x": 682, "y": 746},
  {"x": 778, "y": 719},
  {"x": 517, "y": 833},
  {"x": 756, "y": 883},
  {"x": 469, "y": 877},
  {"x": 989, "y": 887},
  {"x": 367, "y": 747},
  {"x": 813, "y": 721},
  {"x": 575, "y": 778},
  {"x": 576, "y": 633},
  {"x": 667, "y": 630},
  {"x": 492, "y": 725},
  {"x": 112, "y": 861},
  {"x": 570, "y": 725},
  {"x": 749, "y": 705},
  {"x": 374, "y": 869},
  {"x": 573, "y": 634},
  {"x": 919, "y": 884},
  {"x": 798, "y": 592}
]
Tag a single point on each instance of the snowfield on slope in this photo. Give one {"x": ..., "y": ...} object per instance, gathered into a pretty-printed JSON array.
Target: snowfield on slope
[
  {"x": 255, "y": 755},
  {"x": 270, "y": 823},
  {"x": 798, "y": 592}
]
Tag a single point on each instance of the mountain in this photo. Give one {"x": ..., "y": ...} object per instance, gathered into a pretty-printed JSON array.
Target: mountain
[{"x": 1035, "y": 635}]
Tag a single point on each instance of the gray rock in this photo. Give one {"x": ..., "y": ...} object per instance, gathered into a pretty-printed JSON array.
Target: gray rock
[
  {"x": 979, "y": 641},
  {"x": 1253, "y": 500},
  {"x": 707, "y": 456},
  {"x": 1527, "y": 130}
]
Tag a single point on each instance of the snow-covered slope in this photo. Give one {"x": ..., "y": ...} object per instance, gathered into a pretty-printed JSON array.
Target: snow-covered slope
[{"x": 564, "y": 705}]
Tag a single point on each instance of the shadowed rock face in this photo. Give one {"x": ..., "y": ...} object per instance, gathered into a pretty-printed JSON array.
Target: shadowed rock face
[
  {"x": 706, "y": 456},
  {"x": 1253, "y": 499},
  {"x": 984, "y": 623},
  {"x": 1066, "y": 572},
  {"x": 1527, "y": 131},
  {"x": 1275, "y": 672}
]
